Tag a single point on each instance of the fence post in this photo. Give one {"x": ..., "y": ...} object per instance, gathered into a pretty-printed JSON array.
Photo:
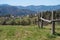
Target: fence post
[
  {"x": 41, "y": 24},
  {"x": 39, "y": 20},
  {"x": 53, "y": 22}
]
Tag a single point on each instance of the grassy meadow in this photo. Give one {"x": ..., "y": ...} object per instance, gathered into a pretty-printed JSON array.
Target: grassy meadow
[{"x": 31, "y": 32}]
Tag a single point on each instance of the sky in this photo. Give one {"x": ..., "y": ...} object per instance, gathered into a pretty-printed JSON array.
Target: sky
[{"x": 30, "y": 2}]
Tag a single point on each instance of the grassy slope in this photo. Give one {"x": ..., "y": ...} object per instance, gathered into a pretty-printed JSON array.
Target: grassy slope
[{"x": 8, "y": 32}]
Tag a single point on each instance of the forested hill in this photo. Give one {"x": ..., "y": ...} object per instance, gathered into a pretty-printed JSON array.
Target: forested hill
[
  {"x": 21, "y": 10},
  {"x": 13, "y": 10},
  {"x": 41, "y": 7}
]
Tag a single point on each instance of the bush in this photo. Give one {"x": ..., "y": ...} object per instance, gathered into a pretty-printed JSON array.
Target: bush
[{"x": 25, "y": 22}]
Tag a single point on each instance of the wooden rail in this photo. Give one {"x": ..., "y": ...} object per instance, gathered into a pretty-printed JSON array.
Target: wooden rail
[
  {"x": 56, "y": 20},
  {"x": 45, "y": 20}
]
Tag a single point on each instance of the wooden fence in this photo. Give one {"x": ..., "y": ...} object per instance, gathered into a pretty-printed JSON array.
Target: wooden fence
[{"x": 53, "y": 20}]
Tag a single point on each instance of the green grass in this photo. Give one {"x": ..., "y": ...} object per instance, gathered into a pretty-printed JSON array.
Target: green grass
[{"x": 17, "y": 32}]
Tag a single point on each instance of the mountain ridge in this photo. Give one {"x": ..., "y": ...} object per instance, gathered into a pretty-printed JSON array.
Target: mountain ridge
[{"x": 25, "y": 10}]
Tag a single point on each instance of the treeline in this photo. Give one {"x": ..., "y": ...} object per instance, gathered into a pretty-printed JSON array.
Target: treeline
[
  {"x": 31, "y": 19},
  {"x": 11, "y": 20}
]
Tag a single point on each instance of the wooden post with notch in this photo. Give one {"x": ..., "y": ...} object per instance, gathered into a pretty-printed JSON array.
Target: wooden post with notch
[{"x": 41, "y": 24}]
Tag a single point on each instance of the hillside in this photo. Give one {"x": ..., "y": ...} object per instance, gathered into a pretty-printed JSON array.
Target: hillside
[
  {"x": 13, "y": 10},
  {"x": 21, "y": 10},
  {"x": 40, "y": 7}
]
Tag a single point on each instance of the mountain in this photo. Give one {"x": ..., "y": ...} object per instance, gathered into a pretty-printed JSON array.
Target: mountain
[
  {"x": 24, "y": 10},
  {"x": 41, "y": 8},
  {"x": 13, "y": 10}
]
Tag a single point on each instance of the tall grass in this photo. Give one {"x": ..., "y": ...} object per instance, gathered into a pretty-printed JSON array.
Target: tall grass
[{"x": 18, "y": 32}]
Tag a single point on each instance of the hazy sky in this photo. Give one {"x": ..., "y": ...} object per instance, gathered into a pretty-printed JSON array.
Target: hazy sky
[{"x": 30, "y": 2}]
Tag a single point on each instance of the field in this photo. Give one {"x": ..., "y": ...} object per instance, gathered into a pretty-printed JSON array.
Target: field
[{"x": 32, "y": 32}]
